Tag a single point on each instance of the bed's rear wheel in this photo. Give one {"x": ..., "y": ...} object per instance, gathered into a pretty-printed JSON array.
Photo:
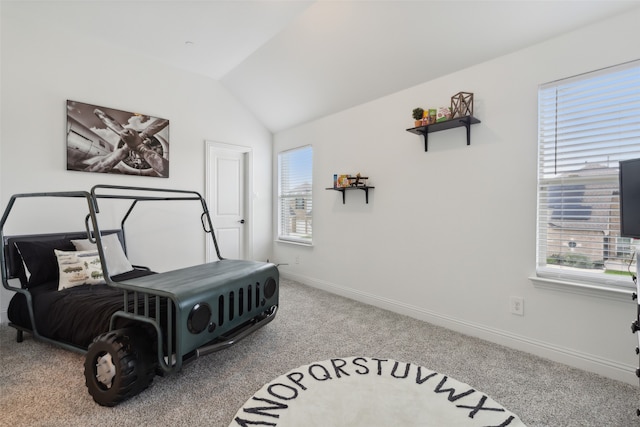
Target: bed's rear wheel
[{"x": 118, "y": 365}]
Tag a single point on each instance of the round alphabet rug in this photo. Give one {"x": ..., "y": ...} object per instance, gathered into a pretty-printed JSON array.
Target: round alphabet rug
[{"x": 370, "y": 392}]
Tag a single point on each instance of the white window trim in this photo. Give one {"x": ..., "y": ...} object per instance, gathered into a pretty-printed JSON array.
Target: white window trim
[
  {"x": 292, "y": 240},
  {"x": 616, "y": 288},
  {"x": 616, "y": 293}
]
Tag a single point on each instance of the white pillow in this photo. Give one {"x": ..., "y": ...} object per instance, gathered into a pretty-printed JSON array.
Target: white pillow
[
  {"x": 79, "y": 268},
  {"x": 117, "y": 262}
]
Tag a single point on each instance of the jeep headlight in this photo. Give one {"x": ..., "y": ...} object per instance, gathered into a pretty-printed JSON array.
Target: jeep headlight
[{"x": 199, "y": 318}]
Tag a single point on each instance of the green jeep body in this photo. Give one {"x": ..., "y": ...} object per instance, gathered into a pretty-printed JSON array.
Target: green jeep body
[{"x": 172, "y": 317}]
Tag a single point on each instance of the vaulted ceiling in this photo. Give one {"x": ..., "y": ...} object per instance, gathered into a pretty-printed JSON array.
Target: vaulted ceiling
[{"x": 293, "y": 61}]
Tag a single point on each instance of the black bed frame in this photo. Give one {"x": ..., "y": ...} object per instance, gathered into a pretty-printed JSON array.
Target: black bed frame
[
  {"x": 11, "y": 265},
  {"x": 166, "y": 318}
]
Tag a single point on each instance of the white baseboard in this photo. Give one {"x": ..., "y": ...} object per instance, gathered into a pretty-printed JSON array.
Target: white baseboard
[{"x": 588, "y": 362}]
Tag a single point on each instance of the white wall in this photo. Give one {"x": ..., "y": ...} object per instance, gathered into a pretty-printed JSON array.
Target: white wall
[
  {"x": 449, "y": 235},
  {"x": 43, "y": 66}
]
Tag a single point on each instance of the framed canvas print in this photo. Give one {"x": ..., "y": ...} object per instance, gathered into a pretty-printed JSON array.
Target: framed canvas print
[{"x": 105, "y": 140}]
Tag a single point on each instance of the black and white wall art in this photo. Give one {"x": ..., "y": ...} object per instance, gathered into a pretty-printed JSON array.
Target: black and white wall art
[{"x": 106, "y": 140}]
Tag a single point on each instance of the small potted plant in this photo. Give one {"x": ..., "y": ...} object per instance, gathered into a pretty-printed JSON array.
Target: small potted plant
[{"x": 418, "y": 114}]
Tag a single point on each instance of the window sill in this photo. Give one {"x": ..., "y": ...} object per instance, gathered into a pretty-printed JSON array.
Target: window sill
[
  {"x": 294, "y": 242},
  {"x": 592, "y": 290}
]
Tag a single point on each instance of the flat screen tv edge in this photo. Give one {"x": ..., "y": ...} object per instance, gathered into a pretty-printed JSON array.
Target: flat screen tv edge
[{"x": 630, "y": 198}]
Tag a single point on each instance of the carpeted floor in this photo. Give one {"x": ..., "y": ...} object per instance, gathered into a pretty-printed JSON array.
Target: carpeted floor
[{"x": 41, "y": 385}]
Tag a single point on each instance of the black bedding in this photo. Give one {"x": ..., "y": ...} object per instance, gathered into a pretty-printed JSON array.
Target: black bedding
[{"x": 75, "y": 315}]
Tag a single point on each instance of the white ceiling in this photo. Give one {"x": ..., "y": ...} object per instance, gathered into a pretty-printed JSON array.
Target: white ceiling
[{"x": 293, "y": 61}]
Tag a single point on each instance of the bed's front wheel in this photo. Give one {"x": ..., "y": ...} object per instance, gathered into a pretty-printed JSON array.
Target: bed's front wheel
[{"x": 116, "y": 366}]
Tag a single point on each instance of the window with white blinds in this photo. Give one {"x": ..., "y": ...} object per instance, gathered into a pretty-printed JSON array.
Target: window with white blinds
[
  {"x": 295, "y": 195},
  {"x": 586, "y": 125}
]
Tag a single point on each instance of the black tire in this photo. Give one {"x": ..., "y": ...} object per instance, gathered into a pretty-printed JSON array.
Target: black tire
[
  {"x": 118, "y": 365},
  {"x": 145, "y": 350}
]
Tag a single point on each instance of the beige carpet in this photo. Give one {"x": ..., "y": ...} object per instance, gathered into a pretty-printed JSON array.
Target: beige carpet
[{"x": 41, "y": 385}]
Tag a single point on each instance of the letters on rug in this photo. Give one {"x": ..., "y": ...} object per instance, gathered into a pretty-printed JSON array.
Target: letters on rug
[{"x": 369, "y": 391}]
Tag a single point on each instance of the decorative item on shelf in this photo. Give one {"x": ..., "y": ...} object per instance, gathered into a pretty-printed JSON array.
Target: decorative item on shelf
[
  {"x": 431, "y": 116},
  {"x": 418, "y": 114},
  {"x": 443, "y": 114},
  {"x": 343, "y": 181},
  {"x": 358, "y": 180},
  {"x": 462, "y": 104}
]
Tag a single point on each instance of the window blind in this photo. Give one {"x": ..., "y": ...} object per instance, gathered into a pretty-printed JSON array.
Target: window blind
[
  {"x": 295, "y": 201},
  {"x": 586, "y": 125}
]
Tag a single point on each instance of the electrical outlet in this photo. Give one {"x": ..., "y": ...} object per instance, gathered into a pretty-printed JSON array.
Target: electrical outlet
[{"x": 516, "y": 305}]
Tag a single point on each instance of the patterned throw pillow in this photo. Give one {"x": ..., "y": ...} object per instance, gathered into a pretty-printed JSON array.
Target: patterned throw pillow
[
  {"x": 79, "y": 268},
  {"x": 117, "y": 262}
]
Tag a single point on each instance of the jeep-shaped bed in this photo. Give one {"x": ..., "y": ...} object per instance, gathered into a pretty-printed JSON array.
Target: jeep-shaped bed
[{"x": 161, "y": 320}]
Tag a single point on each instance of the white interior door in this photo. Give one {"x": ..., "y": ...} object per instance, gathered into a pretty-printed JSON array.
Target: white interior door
[{"x": 227, "y": 199}]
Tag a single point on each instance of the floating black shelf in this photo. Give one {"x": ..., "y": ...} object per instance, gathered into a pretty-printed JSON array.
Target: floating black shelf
[
  {"x": 365, "y": 188},
  {"x": 465, "y": 121}
]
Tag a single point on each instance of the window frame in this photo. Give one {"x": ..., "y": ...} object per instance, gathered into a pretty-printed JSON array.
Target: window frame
[
  {"x": 547, "y": 274},
  {"x": 296, "y": 199}
]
